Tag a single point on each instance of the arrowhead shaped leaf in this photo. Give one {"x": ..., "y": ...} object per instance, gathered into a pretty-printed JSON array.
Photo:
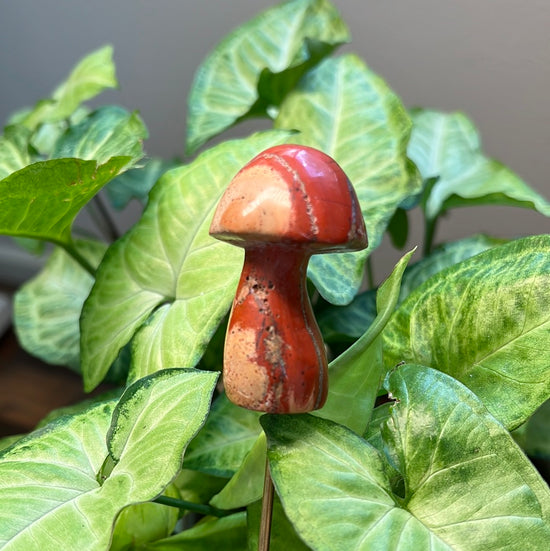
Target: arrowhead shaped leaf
[
  {"x": 49, "y": 483},
  {"x": 47, "y": 308},
  {"x": 347, "y": 111},
  {"x": 92, "y": 74},
  {"x": 43, "y": 199},
  {"x": 447, "y": 147},
  {"x": 451, "y": 451},
  {"x": 486, "y": 322},
  {"x": 167, "y": 271},
  {"x": 256, "y": 65},
  {"x": 336, "y": 491},
  {"x": 43, "y": 476}
]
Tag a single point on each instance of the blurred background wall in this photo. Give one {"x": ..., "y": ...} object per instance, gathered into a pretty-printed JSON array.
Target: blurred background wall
[{"x": 488, "y": 58}]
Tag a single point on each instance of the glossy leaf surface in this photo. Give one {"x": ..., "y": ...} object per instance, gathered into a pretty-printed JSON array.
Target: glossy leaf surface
[
  {"x": 167, "y": 271},
  {"x": 348, "y": 472},
  {"x": 447, "y": 447},
  {"x": 43, "y": 199},
  {"x": 344, "y": 109},
  {"x": 451, "y": 451},
  {"x": 486, "y": 322},
  {"x": 447, "y": 146},
  {"x": 255, "y": 65},
  {"x": 54, "y": 484}
]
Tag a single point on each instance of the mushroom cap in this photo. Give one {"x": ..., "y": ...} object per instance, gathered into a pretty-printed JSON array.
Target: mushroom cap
[{"x": 291, "y": 194}]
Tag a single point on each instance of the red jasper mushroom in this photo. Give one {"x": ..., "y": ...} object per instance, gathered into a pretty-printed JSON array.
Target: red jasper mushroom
[{"x": 286, "y": 204}]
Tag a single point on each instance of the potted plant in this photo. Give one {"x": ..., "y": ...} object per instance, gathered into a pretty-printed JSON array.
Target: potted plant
[{"x": 438, "y": 375}]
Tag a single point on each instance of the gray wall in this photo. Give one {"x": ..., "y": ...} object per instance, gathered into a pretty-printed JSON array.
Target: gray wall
[{"x": 489, "y": 58}]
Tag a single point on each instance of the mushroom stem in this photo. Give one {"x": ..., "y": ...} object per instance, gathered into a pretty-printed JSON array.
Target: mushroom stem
[{"x": 274, "y": 357}]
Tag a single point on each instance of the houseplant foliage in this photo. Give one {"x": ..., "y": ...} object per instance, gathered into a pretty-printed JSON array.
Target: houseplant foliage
[{"x": 431, "y": 368}]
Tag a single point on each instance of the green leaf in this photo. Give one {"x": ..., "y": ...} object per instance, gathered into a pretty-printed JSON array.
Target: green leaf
[
  {"x": 347, "y": 323},
  {"x": 42, "y": 200},
  {"x": 447, "y": 146},
  {"x": 485, "y": 321},
  {"x": 223, "y": 534},
  {"x": 138, "y": 435},
  {"x": 14, "y": 150},
  {"x": 106, "y": 132},
  {"x": 442, "y": 257},
  {"x": 347, "y": 111},
  {"x": 246, "y": 485},
  {"x": 398, "y": 228},
  {"x": 536, "y": 433},
  {"x": 451, "y": 451},
  {"x": 355, "y": 375},
  {"x": 90, "y": 76},
  {"x": 80, "y": 407},
  {"x": 45, "y": 475},
  {"x": 197, "y": 487},
  {"x": 167, "y": 277},
  {"x": 335, "y": 489},
  {"x": 50, "y": 488},
  {"x": 142, "y": 523},
  {"x": 255, "y": 66},
  {"x": 46, "y": 135},
  {"x": 225, "y": 439},
  {"x": 136, "y": 183},
  {"x": 47, "y": 308},
  {"x": 283, "y": 537}
]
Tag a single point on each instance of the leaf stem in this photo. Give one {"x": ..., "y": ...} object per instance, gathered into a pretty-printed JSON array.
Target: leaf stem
[
  {"x": 194, "y": 507},
  {"x": 72, "y": 250},
  {"x": 370, "y": 274},
  {"x": 102, "y": 218},
  {"x": 430, "y": 225}
]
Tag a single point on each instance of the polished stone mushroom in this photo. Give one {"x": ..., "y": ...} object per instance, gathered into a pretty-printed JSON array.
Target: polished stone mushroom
[{"x": 286, "y": 204}]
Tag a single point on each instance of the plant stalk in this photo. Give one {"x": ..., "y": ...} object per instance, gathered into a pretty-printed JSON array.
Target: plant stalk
[
  {"x": 98, "y": 211},
  {"x": 72, "y": 251},
  {"x": 194, "y": 507},
  {"x": 267, "y": 511},
  {"x": 429, "y": 234}
]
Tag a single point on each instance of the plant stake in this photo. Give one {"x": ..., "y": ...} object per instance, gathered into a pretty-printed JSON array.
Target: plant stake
[{"x": 288, "y": 203}]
